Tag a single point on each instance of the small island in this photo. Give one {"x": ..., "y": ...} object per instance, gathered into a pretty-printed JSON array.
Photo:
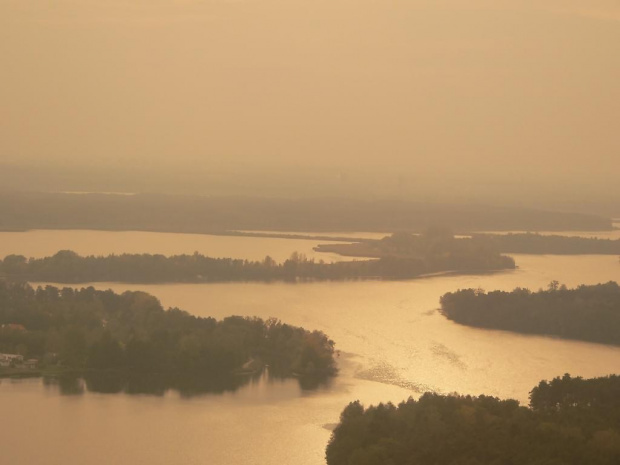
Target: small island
[
  {"x": 570, "y": 421},
  {"x": 101, "y": 332},
  {"x": 587, "y": 313}
]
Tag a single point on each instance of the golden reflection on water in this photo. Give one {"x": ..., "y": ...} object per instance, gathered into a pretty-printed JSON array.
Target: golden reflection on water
[
  {"x": 393, "y": 344},
  {"x": 398, "y": 337}
]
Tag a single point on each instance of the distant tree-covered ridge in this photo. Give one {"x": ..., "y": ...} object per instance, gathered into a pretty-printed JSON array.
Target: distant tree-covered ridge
[
  {"x": 588, "y": 313},
  {"x": 89, "y": 330},
  {"x": 68, "y": 267},
  {"x": 570, "y": 421},
  {"x": 530, "y": 243},
  {"x": 200, "y": 214},
  {"x": 437, "y": 241}
]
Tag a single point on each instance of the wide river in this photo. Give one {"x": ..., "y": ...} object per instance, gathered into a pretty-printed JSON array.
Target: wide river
[{"x": 393, "y": 342}]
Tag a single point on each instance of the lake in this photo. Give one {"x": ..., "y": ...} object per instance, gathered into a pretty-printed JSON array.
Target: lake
[
  {"x": 393, "y": 344},
  {"x": 42, "y": 243}
]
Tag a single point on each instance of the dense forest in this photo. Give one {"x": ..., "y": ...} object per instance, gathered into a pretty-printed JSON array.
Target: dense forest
[
  {"x": 87, "y": 330},
  {"x": 588, "y": 313},
  {"x": 529, "y": 243},
  {"x": 570, "y": 421},
  {"x": 198, "y": 214},
  {"x": 68, "y": 267}
]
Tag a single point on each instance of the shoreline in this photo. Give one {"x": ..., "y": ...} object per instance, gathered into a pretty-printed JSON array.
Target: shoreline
[{"x": 298, "y": 280}]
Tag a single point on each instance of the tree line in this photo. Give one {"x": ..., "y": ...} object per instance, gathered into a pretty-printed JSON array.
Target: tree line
[
  {"x": 68, "y": 267},
  {"x": 570, "y": 421},
  {"x": 478, "y": 248},
  {"x": 92, "y": 330},
  {"x": 529, "y": 243},
  {"x": 588, "y": 313}
]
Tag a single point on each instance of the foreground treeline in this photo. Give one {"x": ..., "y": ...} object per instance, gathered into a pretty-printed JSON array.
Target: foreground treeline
[
  {"x": 68, "y": 267},
  {"x": 88, "y": 329},
  {"x": 529, "y": 243},
  {"x": 588, "y": 313},
  {"x": 570, "y": 421}
]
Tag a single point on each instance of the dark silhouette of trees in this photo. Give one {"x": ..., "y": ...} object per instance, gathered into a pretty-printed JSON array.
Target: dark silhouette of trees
[
  {"x": 89, "y": 330},
  {"x": 589, "y": 313},
  {"x": 598, "y": 399},
  {"x": 68, "y": 267},
  {"x": 571, "y": 422}
]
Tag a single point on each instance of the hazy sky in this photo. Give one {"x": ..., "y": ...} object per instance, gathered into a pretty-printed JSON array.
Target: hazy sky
[{"x": 470, "y": 92}]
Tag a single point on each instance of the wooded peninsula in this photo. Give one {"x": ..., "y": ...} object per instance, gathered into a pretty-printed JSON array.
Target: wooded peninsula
[
  {"x": 587, "y": 313},
  {"x": 68, "y": 267},
  {"x": 88, "y": 330},
  {"x": 570, "y": 421}
]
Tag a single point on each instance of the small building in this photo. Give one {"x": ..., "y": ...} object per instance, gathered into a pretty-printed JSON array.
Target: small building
[
  {"x": 7, "y": 360},
  {"x": 31, "y": 363}
]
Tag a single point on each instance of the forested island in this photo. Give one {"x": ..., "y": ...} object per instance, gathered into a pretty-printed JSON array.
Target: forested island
[
  {"x": 571, "y": 421},
  {"x": 68, "y": 267},
  {"x": 442, "y": 240},
  {"x": 201, "y": 214},
  {"x": 587, "y": 313},
  {"x": 101, "y": 332}
]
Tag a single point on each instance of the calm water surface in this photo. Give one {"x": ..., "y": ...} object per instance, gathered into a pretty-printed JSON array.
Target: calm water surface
[
  {"x": 43, "y": 243},
  {"x": 393, "y": 342},
  {"x": 338, "y": 234}
]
